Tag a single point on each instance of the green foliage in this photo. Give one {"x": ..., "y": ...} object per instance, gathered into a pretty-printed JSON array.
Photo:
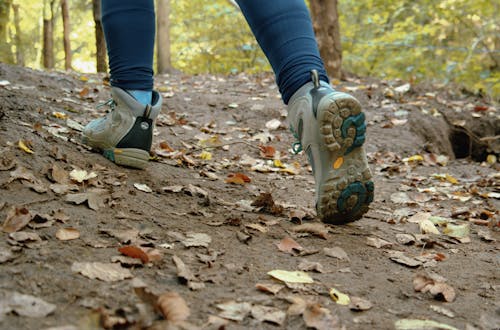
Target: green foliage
[
  {"x": 440, "y": 41},
  {"x": 213, "y": 37},
  {"x": 446, "y": 41}
]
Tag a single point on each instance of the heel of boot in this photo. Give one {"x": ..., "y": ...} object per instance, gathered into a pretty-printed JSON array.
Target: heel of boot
[
  {"x": 342, "y": 124},
  {"x": 130, "y": 157}
]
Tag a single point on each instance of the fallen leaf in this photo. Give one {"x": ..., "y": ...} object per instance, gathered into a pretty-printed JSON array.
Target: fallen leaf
[
  {"x": 291, "y": 276},
  {"x": 183, "y": 272},
  {"x": 143, "y": 187},
  {"x": 234, "y": 311},
  {"x": 196, "y": 240},
  {"x": 268, "y": 314},
  {"x": 457, "y": 231},
  {"x": 107, "y": 272},
  {"x": 266, "y": 204},
  {"x": 359, "y": 304},
  {"x": 401, "y": 198},
  {"x": 427, "y": 227},
  {"x": 25, "y": 236},
  {"x": 405, "y": 239},
  {"x": 378, "y": 242},
  {"x": 81, "y": 175},
  {"x": 306, "y": 265},
  {"x": 273, "y": 124},
  {"x": 400, "y": 258},
  {"x": 297, "y": 307},
  {"x": 269, "y": 287},
  {"x": 288, "y": 245},
  {"x": 22, "y": 145},
  {"x": 336, "y": 252},
  {"x": 435, "y": 285},
  {"x": 134, "y": 252},
  {"x": 339, "y": 297},
  {"x": 267, "y": 152},
  {"x": 412, "y": 324},
  {"x": 6, "y": 255},
  {"x": 24, "y": 305},
  {"x": 67, "y": 234},
  {"x": 317, "y": 229},
  {"x": 93, "y": 197},
  {"x": 17, "y": 218},
  {"x": 443, "y": 311},
  {"x": 320, "y": 318},
  {"x": 173, "y": 307},
  {"x": 237, "y": 178},
  {"x": 58, "y": 174},
  {"x": 257, "y": 227}
]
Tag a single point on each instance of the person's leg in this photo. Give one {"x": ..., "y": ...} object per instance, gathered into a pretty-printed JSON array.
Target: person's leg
[
  {"x": 284, "y": 31},
  {"x": 329, "y": 125},
  {"x": 129, "y": 29},
  {"x": 125, "y": 134}
]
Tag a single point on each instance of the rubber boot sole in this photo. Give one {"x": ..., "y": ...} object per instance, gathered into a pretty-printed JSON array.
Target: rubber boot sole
[{"x": 346, "y": 187}]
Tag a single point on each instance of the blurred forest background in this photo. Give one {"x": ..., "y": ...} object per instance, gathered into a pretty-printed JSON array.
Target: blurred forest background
[{"x": 438, "y": 41}]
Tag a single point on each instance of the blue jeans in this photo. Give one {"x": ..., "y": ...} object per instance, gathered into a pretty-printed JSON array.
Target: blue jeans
[{"x": 283, "y": 29}]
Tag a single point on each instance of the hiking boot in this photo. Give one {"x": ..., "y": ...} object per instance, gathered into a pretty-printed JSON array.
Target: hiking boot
[
  {"x": 125, "y": 134},
  {"x": 330, "y": 128}
]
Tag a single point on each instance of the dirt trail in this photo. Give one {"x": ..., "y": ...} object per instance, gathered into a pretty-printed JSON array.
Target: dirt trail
[{"x": 221, "y": 144}]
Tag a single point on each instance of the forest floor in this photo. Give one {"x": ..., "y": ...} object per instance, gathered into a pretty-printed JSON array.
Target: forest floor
[{"x": 192, "y": 241}]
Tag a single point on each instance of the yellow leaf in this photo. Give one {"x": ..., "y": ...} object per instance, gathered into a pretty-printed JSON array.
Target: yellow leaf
[
  {"x": 291, "y": 277},
  {"x": 451, "y": 179},
  {"x": 491, "y": 159},
  {"x": 59, "y": 115},
  {"x": 278, "y": 163},
  {"x": 413, "y": 159},
  {"x": 23, "y": 147},
  {"x": 339, "y": 297},
  {"x": 205, "y": 155}
]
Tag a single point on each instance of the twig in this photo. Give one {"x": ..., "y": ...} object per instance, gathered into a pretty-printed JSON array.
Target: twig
[{"x": 222, "y": 145}]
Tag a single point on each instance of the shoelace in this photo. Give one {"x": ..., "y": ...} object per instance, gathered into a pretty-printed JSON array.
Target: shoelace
[{"x": 111, "y": 103}]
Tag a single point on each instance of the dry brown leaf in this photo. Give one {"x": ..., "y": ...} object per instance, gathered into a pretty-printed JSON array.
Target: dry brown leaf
[
  {"x": 107, "y": 272},
  {"x": 58, "y": 174},
  {"x": 378, "y": 242},
  {"x": 173, "y": 307},
  {"x": 400, "y": 258},
  {"x": 320, "y": 318},
  {"x": 185, "y": 275},
  {"x": 237, "y": 178},
  {"x": 268, "y": 314},
  {"x": 359, "y": 304},
  {"x": 17, "y": 218},
  {"x": 267, "y": 152},
  {"x": 267, "y": 205},
  {"x": 25, "y": 236},
  {"x": 297, "y": 307},
  {"x": 67, "y": 234},
  {"x": 317, "y": 229},
  {"x": 94, "y": 198},
  {"x": 306, "y": 266},
  {"x": 288, "y": 245},
  {"x": 336, "y": 252},
  {"x": 134, "y": 252},
  {"x": 196, "y": 240},
  {"x": 269, "y": 287},
  {"x": 234, "y": 311},
  {"x": 435, "y": 285}
]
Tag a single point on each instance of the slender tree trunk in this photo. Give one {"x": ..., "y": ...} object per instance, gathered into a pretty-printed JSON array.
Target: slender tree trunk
[
  {"x": 66, "y": 32},
  {"x": 17, "y": 20},
  {"x": 163, "y": 57},
  {"x": 326, "y": 26},
  {"x": 48, "y": 34},
  {"x": 5, "y": 49},
  {"x": 100, "y": 42}
]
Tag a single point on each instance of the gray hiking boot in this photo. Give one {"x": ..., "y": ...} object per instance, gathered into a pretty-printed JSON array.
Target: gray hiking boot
[
  {"x": 330, "y": 128},
  {"x": 125, "y": 134}
]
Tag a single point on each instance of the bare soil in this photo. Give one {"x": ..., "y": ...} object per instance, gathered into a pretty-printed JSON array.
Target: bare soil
[{"x": 215, "y": 127}]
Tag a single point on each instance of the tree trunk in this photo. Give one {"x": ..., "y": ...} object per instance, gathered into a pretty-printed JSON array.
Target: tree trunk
[
  {"x": 48, "y": 34},
  {"x": 19, "y": 53},
  {"x": 163, "y": 58},
  {"x": 326, "y": 26},
  {"x": 66, "y": 32},
  {"x": 5, "y": 49},
  {"x": 100, "y": 42}
]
